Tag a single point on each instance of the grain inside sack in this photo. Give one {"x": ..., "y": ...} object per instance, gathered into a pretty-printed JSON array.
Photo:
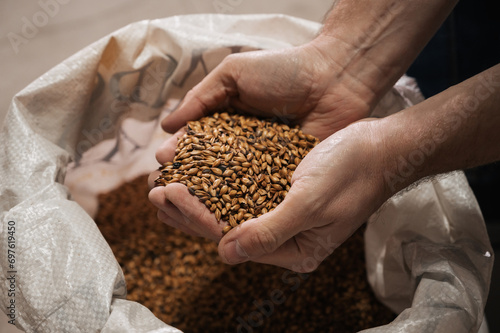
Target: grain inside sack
[
  {"x": 184, "y": 283},
  {"x": 239, "y": 167}
]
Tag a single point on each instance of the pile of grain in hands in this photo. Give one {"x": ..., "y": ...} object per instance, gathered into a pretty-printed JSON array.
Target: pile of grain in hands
[
  {"x": 239, "y": 166},
  {"x": 181, "y": 279}
]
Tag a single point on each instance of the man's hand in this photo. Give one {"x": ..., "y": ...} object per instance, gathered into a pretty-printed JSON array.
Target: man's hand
[{"x": 300, "y": 85}]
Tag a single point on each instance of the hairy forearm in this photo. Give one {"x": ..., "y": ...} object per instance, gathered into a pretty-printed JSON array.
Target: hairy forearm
[
  {"x": 374, "y": 42},
  {"x": 456, "y": 129}
]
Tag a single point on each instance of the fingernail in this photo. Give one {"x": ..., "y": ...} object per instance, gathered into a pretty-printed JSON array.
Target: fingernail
[{"x": 233, "y": 253}]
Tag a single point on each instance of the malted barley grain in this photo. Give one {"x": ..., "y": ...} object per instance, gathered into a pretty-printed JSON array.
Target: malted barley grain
[{"x": 255, "y": 158}]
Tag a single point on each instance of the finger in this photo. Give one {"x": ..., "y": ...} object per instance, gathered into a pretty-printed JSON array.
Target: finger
[
  {"x": 152, "y": 177},
  {"x": 157, "y": 196},
  {"x": 170, "y": 214},
  {"x": 194, "y": 213},
  {"x": 166, "y": 151},
  {"x": 211, "y": 93},
  {"x": 174, "y": 223},
  {"x": 264, "y": 235},
  {"x": 203, "y": 221},
  {"x": 174, "y": 213},
  {"x": 287, "y": 255},
  {"x": 304, "y": 252}
]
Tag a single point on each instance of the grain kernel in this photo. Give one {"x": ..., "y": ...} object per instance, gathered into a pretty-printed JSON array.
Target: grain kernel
[{"x": 239, "y": 167}]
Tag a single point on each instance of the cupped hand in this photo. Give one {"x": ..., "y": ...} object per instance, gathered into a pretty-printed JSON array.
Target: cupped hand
[
  {"x": 301, "y": 84},
  {"x": 334, "y": 190},
  {"x": 176, "y": 206}
]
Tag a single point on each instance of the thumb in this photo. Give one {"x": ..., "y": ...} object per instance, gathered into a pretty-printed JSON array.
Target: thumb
[{"x": 270, "y": 238}]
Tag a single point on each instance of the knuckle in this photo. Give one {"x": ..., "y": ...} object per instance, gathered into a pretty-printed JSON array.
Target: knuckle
[
  {"x": 263, "y": 241},
  {"x": 307, "y": 262},
  {"x": 190, "y": 94},
  {"x": 159, "y": 156},
  {"x": 228, "y": 60},
  {"x": 203, "y": 214},
  {"x": 230, "y": 63},
  {"x": 162, "y": 216}
]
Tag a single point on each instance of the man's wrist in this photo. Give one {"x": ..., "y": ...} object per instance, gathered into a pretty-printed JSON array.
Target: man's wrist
[
  {"x": 341, "y": 61},
  {"x": 372, "y": 44}
]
